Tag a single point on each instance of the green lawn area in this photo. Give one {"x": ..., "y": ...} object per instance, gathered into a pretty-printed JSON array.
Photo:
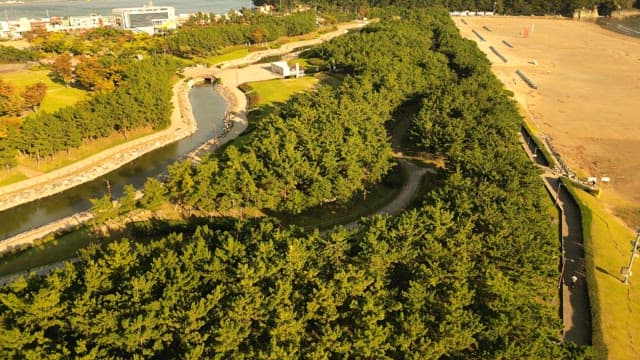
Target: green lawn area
[
  {"x": 615, "y": 309},
  {"x": 263, "y": 96},
  {"x": 228, "y": 54},
  {"x": 57, "y": 96},
  {"x": 11, "y": 176},
  {"x": 279, "y": 90}
]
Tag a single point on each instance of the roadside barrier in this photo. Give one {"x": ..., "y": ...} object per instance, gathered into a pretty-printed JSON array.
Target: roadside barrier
[
  {"x": 495, "y": 51},
  {"x": 478, "y": 35},
  {"x": 527, "y": 80}
]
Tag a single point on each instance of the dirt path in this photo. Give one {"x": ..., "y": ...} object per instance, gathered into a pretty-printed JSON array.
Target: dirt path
[{"x": 413, "y": 175}]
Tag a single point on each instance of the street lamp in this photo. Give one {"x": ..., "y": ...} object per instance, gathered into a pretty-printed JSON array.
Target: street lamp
[{"x": 626, "y": 270}]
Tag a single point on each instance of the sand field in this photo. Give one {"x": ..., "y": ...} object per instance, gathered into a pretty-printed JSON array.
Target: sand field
[{"x": 588, "y": 96}]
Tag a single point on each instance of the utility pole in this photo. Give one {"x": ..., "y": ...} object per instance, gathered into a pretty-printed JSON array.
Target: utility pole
[{"x": 626, "y": 270}]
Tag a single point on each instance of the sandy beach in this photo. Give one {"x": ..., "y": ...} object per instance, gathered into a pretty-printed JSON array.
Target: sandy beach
[{"x": 588, "y": 90}]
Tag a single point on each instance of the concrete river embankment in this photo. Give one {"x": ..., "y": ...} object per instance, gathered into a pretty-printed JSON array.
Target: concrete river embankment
[{"x": 208, "y": 109}]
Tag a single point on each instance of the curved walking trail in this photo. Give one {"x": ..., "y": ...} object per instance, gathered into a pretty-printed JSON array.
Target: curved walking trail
[
  {"x": 236, "y": 108},
  {"x": 413, "y": 173},
  {"x": 182, "y": 125}
]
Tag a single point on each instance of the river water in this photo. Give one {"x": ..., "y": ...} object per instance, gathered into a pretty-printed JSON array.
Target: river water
[
  {"x": 208, "y": 110},
  {"x": 34, "y": 9}
]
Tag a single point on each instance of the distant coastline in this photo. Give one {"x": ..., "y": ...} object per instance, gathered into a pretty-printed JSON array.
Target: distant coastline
[{"x": 39, "y": 9}]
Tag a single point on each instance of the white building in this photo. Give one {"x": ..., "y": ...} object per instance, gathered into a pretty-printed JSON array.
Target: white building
[
  {"x": 5, "y": 30},
  {"x": 149, "y": 18},
  {"x": 281, "y": 68},
  {"x": 85, "y": 22},
  {"x": 20, "y": 26}
]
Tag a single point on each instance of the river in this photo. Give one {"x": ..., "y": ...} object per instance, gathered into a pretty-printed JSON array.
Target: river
[
  {"x": 208, "y": 111},
  {"x": 34, "y": 9}
]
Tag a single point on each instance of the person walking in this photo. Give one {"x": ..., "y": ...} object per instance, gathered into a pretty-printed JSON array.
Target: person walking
[{"x": 574, "y": 279}]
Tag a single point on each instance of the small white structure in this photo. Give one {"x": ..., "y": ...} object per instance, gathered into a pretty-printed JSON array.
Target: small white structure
[
  {"x": 281, "y": 68},
  {"x": 5, "y": 30},
  {"x": 605, "y": 179},
  {"x": 592, "y": 180}
]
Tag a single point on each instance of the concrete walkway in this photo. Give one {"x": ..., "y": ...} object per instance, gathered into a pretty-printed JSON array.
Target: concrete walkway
[{"x": 576, "y": 309}]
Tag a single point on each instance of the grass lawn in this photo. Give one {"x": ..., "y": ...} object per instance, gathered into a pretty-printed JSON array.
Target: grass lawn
[
  {"x": 280, "y": 90},
  {"x": 228, "y": 54},
  {"x": 57, "y": 96},
  {"x": 271, "y": 92},
  {"x": 615, "y": 309},
  {"x": 11, "y": 176}
]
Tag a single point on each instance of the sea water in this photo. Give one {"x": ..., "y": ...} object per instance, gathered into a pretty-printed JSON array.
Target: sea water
[{"x": 36, "y": 9}]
